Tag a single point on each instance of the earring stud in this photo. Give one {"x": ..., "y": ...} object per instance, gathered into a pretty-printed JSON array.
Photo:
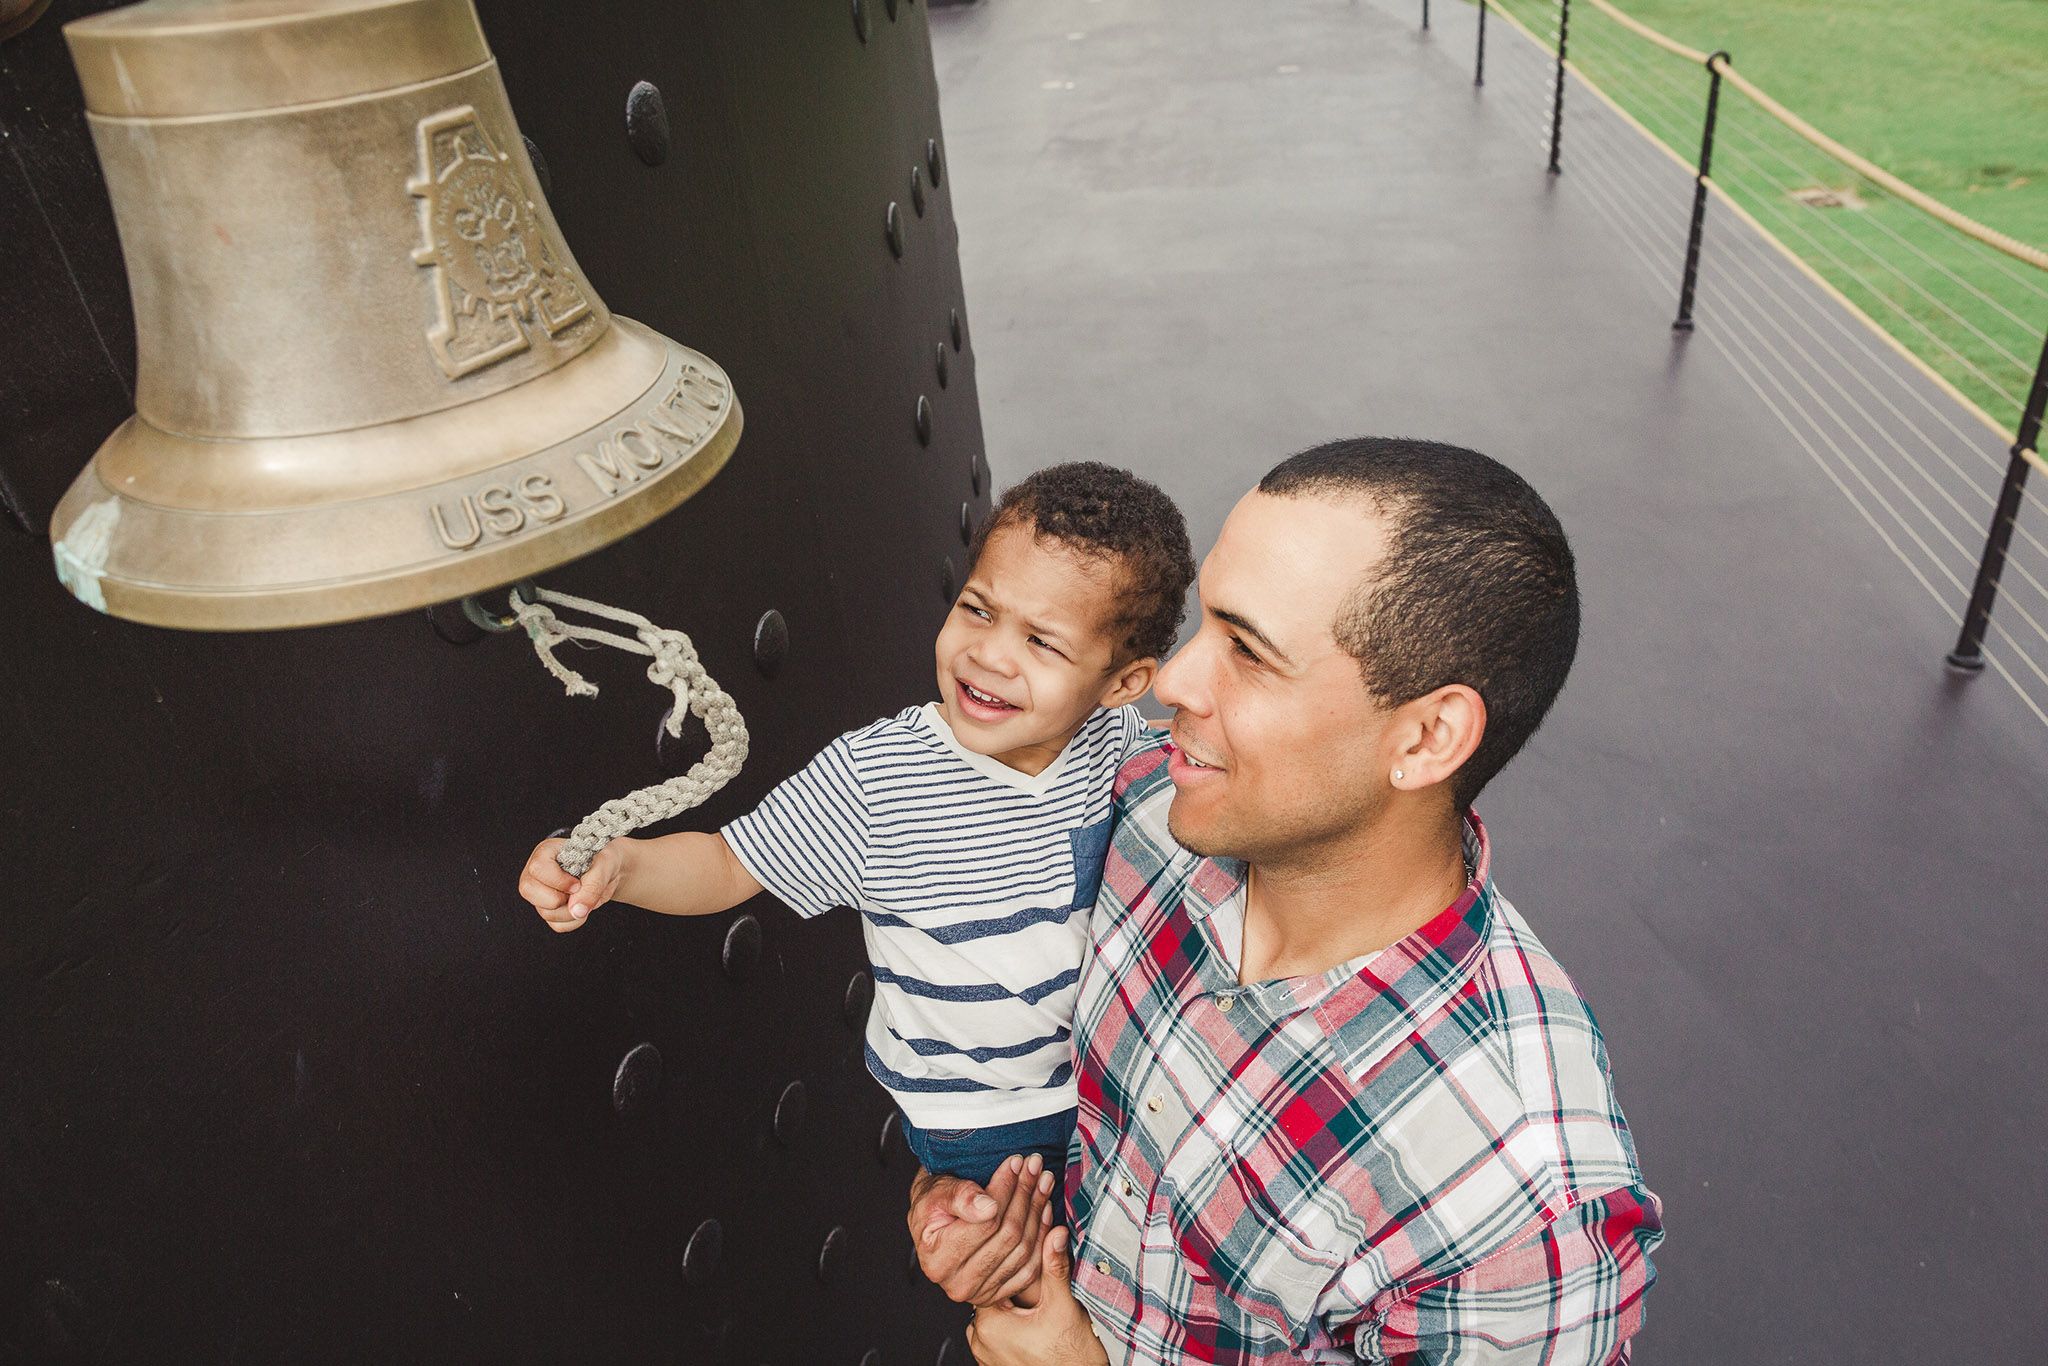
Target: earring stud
[{"x": 1398, "y": 775}]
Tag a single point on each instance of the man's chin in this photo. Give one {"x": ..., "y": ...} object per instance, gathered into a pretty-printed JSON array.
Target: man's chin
[{"x": 1197, "y": 837}]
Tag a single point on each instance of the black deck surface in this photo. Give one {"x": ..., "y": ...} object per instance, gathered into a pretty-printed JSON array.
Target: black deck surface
[{"x": 1795, "y": 866}]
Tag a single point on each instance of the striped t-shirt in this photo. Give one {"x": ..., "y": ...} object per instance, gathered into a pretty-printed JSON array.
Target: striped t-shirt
[{"x": 973, "y": 882}]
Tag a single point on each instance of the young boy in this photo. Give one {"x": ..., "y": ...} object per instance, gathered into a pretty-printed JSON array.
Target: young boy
[{"x": 969, "y": 833}]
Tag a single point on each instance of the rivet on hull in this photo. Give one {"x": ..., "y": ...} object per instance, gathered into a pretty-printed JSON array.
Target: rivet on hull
[
  {"x": 646, "y": 123},
  {"x": 860, "y": 994},
  {"x": 832, "y": 1255},
  {"x": 702, "y": 1254},
  {"x": 637, "y": 1081},
  {"x": 771, "y": 642},
  {"x": 540, "y": 166},
  {"x": 790, "y": 1108},
  {"x": 453, "y": 625},
  {"x": 742, "y": 948}
]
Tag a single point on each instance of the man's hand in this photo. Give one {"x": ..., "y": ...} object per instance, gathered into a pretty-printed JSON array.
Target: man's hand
[
  {"x": 564, "y": 901},
  {"x": 982, "y": 1246},
  {"x": 1054, "y": 1332}
]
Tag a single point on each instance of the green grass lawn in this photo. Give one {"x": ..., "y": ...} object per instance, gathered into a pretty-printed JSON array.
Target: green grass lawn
[{"x": 1949, "y": 95}]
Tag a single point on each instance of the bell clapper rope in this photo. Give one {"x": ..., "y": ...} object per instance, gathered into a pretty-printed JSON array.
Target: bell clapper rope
[{"x": 675, "y": 667}]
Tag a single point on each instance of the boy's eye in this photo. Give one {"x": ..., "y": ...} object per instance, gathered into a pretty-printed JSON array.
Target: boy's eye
[
  {"x": 1044, "y": 645},
  {"x": 979, "y": 612},
  {"x": 1241, "y": 648}
]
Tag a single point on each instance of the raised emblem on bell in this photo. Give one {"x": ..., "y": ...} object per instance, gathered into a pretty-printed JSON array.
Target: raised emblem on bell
[{"x": 370, "y": 374}]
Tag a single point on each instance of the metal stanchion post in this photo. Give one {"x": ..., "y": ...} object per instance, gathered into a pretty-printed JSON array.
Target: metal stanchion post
[
  {"x": 1564, "y": 22},
  {"x": 1699, "y": 195},
  {"x": 1479, "y": 63},
  {"x": 1968, "y": 656},
  {"x": 1425, "y": 14}
]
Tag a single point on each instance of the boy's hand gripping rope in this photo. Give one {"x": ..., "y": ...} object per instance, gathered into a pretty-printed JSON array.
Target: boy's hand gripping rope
[{"x": 676, "y": 668}]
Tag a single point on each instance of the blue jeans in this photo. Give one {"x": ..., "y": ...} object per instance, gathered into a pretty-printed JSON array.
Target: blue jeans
[{"x": 975, "y": 1154}]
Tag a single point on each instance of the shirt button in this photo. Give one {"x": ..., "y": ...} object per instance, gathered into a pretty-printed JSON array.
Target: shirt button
[
  {"x": 1102, "y": 1265},
  {"x": 1128, "y": 1189},
  {"x": 1224, "y": 1003},
  {"x": 1156, "y": 1104}
]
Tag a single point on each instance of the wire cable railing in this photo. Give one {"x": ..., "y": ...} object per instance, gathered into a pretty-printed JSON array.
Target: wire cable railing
[{"x": 1659, "y": 130}]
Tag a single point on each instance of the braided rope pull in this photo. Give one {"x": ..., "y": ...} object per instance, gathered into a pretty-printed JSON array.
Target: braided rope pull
[{"x": 674, "y": 665}]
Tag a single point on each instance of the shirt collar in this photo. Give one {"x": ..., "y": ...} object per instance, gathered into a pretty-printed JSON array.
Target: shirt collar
[
  {"x": 1367, "y": 1005},
  {"x": 1036, "y": 784},
  {"x": 1214, "y": 881},
  {"x": 1391, "y": 994}
]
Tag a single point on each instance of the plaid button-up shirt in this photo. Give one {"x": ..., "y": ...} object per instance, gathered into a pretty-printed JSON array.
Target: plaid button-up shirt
[{"x": 1416, "y": 1157}]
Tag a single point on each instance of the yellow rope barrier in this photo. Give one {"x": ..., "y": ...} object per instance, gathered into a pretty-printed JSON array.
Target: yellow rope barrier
[
  {"x": 1863, "y": 166},
  {"x": 1643, "y": 30},
  {"x": 1882, "y": 333},
  {"x": 1857, "y": 311}
]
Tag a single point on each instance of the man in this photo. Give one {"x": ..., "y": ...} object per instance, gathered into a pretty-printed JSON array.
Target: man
[{"x": 1337, "y": 1102}]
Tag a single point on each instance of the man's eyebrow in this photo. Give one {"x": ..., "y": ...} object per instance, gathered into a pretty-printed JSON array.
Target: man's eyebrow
[{"x": 1244, "y": 624}]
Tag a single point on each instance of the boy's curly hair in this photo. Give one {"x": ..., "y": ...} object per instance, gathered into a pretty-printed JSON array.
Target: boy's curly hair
[{"x": 1098, "y": 510}]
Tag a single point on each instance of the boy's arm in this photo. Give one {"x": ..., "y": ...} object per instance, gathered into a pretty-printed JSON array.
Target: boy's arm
[
  {"x": 806, "y": 842},
  {"x": 687, "y": 873}
]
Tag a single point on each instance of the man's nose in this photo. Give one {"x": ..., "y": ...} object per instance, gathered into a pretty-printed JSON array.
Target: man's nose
[{"x": 1178, "y": 683}]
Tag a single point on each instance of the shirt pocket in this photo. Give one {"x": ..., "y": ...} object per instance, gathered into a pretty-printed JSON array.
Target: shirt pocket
[
  {"x": 1260, "y": 1270},
  {"x": 1090, "y": 846}
]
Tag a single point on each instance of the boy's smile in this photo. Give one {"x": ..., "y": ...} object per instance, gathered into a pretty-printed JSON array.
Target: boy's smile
[{"x": 983, "y": 706}]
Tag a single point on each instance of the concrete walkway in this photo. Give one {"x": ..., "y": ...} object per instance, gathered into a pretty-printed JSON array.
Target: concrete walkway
[{"x": 1795, "y": 867}]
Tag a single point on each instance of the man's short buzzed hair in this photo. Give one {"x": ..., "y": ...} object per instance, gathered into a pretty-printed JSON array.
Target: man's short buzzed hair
[{"x": 1477, "y": 585}]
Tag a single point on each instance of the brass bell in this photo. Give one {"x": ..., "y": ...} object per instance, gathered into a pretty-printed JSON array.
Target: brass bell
[{"x": 371, "y": 376}]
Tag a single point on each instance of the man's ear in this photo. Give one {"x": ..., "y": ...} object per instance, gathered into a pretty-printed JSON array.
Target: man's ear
[
  {"x": 1129, "y": 682},
  {"x": 1435, "y": 735}
]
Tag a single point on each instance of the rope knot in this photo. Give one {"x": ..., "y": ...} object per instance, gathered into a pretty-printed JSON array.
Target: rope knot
[{"x": 673, "y": 665}]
